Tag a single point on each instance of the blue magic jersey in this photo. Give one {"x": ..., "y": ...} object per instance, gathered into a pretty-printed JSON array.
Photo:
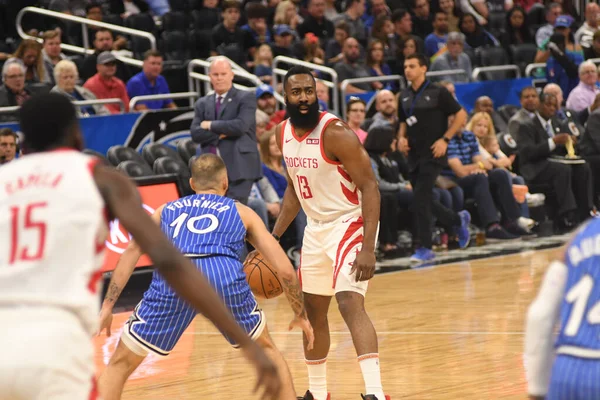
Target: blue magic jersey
[
  {"x": 204, "y": 224},
  {"x": 580, "y": 309}
]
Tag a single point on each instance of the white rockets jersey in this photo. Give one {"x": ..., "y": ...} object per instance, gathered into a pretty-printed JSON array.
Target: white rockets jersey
[
  {"x": 52, "y": 231},
  {"x": 324, "y": 188}
]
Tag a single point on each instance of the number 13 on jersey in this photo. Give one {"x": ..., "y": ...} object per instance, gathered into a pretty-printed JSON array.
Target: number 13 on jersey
[{"x": 305, "y": 191}]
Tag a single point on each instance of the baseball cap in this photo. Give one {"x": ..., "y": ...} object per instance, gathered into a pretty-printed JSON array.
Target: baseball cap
[
  {"x": 105, "y": 57},
  {"x": 283, "y": 30},
  {"x": 563, "y": 21},
  {"x": 262, "y": 89}
]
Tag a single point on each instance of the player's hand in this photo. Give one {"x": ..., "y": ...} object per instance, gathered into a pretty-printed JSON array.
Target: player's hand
[
  {"x": 267, "y": 376},
  {"x": 364, "y": 266},
  {"x": 304, "y": 324},
  {"x": 106, "y": 318},
  {"x": 439, "y": 147},
  {"x": 403, "y": 146},
  {"x": 251, "y": 255}
]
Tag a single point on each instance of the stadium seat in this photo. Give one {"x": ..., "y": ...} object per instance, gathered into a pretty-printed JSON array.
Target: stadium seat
[
  {"x": 135, "y": 169},
  {"x": 198, "y": 43},
  {"x": 494, "y": 56},
  {"x": 100, "y": 156},
  {"x": 175, "y": 21},
  {"x": 496, "y": 23},
  {"x": 170, "y": 165},
  {"x": 507, "y": 111},
  {"x": 142, "y": 22},
  {"x": 139, "y": 46},
  {"x": 472, "y": 56},
  {"x": 536, "y": 16},
  {"x": 179, "y": 5},
  {"x": 175, "y": 72},
  {"x": 153, "y": 151},
  {"x": 205, "y": 19},
  {"x": 507, "y": 144},
  {"x": 117, "y": 154},
  {"x": 114, "y": 19},
  {"x": 523, "y": 54},
  {"x": 187, "y": 149},
  {"x": 175, "y": 46}
]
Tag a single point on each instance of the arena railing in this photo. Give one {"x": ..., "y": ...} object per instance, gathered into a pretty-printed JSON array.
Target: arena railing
[
  {"x": 84, "y": 24},
  {"x": 495, "y": 68},
  {"x": 194, "y": 78},
  {"x": 332, "y": 84},
  {"x": 446, "y": 72},
  {"x": 5, "y": 110},
  {"x": 532, "y": 67},
  {"x": 177, "y": 95},
  {"x": 346, "y": 82}
]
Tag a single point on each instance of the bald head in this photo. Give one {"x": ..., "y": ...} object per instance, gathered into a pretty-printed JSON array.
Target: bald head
[
  {"x": 221, "y": 75},
  {"x": 484, "y": 104},
  {"x": 209, "y": 174},
  {"x": 385, "y": 103},
  {"x": 555, "y": 90}
]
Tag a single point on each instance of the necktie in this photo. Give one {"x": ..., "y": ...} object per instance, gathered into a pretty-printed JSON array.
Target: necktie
[
  {"x": 549, "y": 130},
  {"x": 218, "y": 107}
]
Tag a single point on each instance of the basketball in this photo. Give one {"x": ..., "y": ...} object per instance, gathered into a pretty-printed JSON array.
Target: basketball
[{"x": 262, "y": 278}]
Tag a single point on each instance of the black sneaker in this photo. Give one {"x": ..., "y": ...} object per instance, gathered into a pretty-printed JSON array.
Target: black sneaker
[
  {"x": 373, "y": 397},
  {"x": 308, "y": 396},
  {"x": 495, "y": 231},
  {"x": 514, "y": 229}
]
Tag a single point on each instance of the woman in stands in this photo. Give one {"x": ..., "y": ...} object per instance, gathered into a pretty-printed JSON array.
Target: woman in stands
[
  {"x": 453, "y": 13},
  {"x": 377, "y": 65},
  {"x": 286, "y": 14},
  {"x": 356, "y": 111},
  {"x": 517, "y": 29},
  {"x": 30, "y": 53},
  {"x": 383, "y": 30},
  {"x": 475, "y": 35}
]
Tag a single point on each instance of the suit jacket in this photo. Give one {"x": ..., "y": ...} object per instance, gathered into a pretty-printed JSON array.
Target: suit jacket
[
  {"x": 522, "y": 116},
  {"x": 7, "y": 99},
  {"x": 237, "y": 120},
  {"x": 589, "y": 143},
  {"x": 499, "y": 124}
]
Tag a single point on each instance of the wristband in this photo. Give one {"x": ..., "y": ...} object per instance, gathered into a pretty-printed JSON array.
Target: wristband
[
  {"x": 276, "y": 237},
  {"x": 446, "y": 139},
  {"x": 481, "y": 165}
]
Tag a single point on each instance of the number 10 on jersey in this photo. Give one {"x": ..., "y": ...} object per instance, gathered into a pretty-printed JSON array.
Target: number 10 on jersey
[{"x": 305, "y": 191}]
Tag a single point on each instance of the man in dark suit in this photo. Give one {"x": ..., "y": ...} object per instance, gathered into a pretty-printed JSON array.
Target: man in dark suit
[
  {"x": 224, "y": 121},
  {"x": 539, "y": 140}
]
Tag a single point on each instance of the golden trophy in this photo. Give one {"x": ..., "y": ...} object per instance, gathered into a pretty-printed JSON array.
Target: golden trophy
[{"x": 570, "y": 148}]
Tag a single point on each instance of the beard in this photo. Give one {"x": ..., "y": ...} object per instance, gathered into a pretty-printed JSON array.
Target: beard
[{"x": 303, "y": 121}]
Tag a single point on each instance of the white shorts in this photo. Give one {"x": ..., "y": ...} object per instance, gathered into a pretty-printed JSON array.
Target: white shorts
[
  {"x": 328, "y": 252},
  {"x": 46, "y": 355}
]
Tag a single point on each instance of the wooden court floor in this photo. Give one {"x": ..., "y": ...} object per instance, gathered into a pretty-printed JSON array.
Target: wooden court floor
[{"x": 446, "y": 332}]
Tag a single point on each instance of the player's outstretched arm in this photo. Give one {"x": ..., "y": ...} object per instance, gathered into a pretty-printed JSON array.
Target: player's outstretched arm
[
  {"x": 123, "y": 200},
  {"x": 259, "y": 237},
  {"x": 290, "y": 205},
  {"x": 341, "y": 142},
  {"x": 539, "y": 330}
]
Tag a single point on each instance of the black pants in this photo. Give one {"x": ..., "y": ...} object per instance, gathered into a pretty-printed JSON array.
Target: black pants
[
  {"x": 240, "y": 190},
  {"x": 388, "y": 218},
  {"x": 497, "y": 184},
  {"x": 572, "y": 184},
  {"x": 422, "y": 178},
  {"x": 594, "y": 163}
]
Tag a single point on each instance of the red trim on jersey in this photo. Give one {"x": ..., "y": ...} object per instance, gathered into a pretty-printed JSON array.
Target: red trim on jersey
[
  {"x": 321, "y": 141},
  {"x": 94, "y": 391},
  {"x": 357, "y": 240},
  {"x": 352, "y": 228},
  {"x": 93, "y": 282},
  {"x": 344, "y": 174},
  {"x": 282, "y": 134},
  {"x": 298, "y": 138},
  {"x": 351, "y": 195}
]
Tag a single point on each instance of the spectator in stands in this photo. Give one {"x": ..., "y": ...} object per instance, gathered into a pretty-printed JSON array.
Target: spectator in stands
[
  {"x": 13, "y": 91},
  {"x": 331, "y": 12},
  {"x": 588, "y": 147},
  {"x": 264, "y": 201},
  {"x": 562, "y": 27},
  {"x": 333, "y": 49},
  {"x": 66, "y": 77},
  {"x": 263, "y": 63},
  {"x": 322, "y": 95},
  {"x": 377, "y": 65},
  {"x": 29, "y": 53},
  {"x": 454, "y": 59},
  {"x": 8, "y": 145},
  {"x": 540, "y": 138},
  {"x": 387, "y": 110},
  {"x": 105, "y": 85},
  {"x": 316, "y": 22},
  {"x": 379, "y": 9},
  {"x": 574, "y": 120},
  {"x": 585, "y": 33},
  {"x": 103, "y": 41},
  {"x": 475, "y": 35},
  {"x": 517, "y": 29},
  {"x": 286, "y": 14},
  {"x": 159, "y": 7},
  {"x": 563, "y": 65},
  {"x": 150, "y": 81},
  {"x": 51, "y": 53},
  {"x": 228, "y": 38},
  {"x": 354, "y": 11},
  {"x": 72, "y": 7},
  {"x": 351, "y": 67},
  {"x": 125, "y": 8},
  {"x": 403, "y": 31},
  {"x": 266, "y": 102},
  {"x": 435, "y": 42},
  {"x": 225, "y": 121},
  {"x": 284, "y": 36},
  {"x": 209, "y": 16},
  {"x": 593, "y": 51},
  {"x": 262, "y": 120},
  {"x": 553, "y": 11},
  {"x": 94, "y": 12},
  {"x": 529, "y": 104},
  {"x": 486, "y": 104},
  {"x": 479, "y": 180},
  {"x": 383, "y": 30},
  {"x": 449, "y": 87},
  {"x": 356, "y": 111},
  {"x": 584, "y": 94},
  {"x": 409, "y": 48},
  {"x": 312, "y": 51},
  {"x": 453, "y": 13},
  {"x": 422, "y": 21},
  {"x": 256, "y": 13}
]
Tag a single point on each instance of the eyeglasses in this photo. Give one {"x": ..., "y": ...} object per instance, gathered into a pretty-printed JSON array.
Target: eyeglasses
[{"x": 14, "y": 76}]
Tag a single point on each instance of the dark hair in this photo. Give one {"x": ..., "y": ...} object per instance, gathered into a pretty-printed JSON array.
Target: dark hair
[
  {"x": 91, "y": 6},
  {"x": 230, "y": 4},
  {"x": 152, "y": 53},
  {"x": 438, "y": 12},
  {"x": 379, "y": 139},
  {"x": 377, "y": 28},
  {"x": 256, "y": 10},
  {"x": 370, "y": 62},
  {"x": 523, "y": 30},
  {"x": 398, "y": 14},
  {"x": 298, "y": 70},
  {"x": 102, "y": 30},
  {"x": 8, "y": 132},
  {"x": 343, "y": 26},
  {"x": 46, "y": 121},
  {"x": 353, "y": 100},
  {"x": 419, "y": 57},
  {"x": 526, "y": 88}
]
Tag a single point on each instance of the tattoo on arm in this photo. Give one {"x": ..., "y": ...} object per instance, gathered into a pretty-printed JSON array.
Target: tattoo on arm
[
  {"x": 295, "y": 296},
  {"x": 112, "y": 295}
]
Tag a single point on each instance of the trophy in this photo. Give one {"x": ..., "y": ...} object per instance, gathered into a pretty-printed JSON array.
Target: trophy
[{"x": 570, "y": 148}]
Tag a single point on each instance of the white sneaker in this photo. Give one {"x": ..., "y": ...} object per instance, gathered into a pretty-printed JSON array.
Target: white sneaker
[
  {"x": 535, "y": 199},
  {"x": 526, "y": 223}
]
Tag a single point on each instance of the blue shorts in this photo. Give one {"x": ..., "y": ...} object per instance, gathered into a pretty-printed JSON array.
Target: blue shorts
[
  {"x": 160, "y": 319},
  {"x": 574, "y": 378}
]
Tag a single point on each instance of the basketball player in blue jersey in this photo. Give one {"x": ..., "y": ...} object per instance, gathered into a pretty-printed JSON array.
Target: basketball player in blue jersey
[
  {"x": 210, "y": 230},
  {"x": 570, "y": 293}
]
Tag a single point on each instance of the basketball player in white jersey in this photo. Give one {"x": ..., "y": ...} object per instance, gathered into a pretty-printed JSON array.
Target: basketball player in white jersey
[
  {"x": 54, "y": 208},
  {"x": 330, "y": 177}
]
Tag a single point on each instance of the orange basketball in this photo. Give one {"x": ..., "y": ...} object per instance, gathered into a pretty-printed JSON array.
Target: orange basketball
[{"x": 263, "y": 279}]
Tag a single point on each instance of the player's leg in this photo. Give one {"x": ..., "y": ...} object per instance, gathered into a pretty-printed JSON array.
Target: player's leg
[
  {"x": 120, "y": 366},
  {"x": 287, "y": 385}
]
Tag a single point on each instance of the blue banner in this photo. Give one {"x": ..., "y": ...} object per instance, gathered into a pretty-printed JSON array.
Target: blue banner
[
  {"x": 501, "y": 92},
  {"x": 133, "y": 130}
]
